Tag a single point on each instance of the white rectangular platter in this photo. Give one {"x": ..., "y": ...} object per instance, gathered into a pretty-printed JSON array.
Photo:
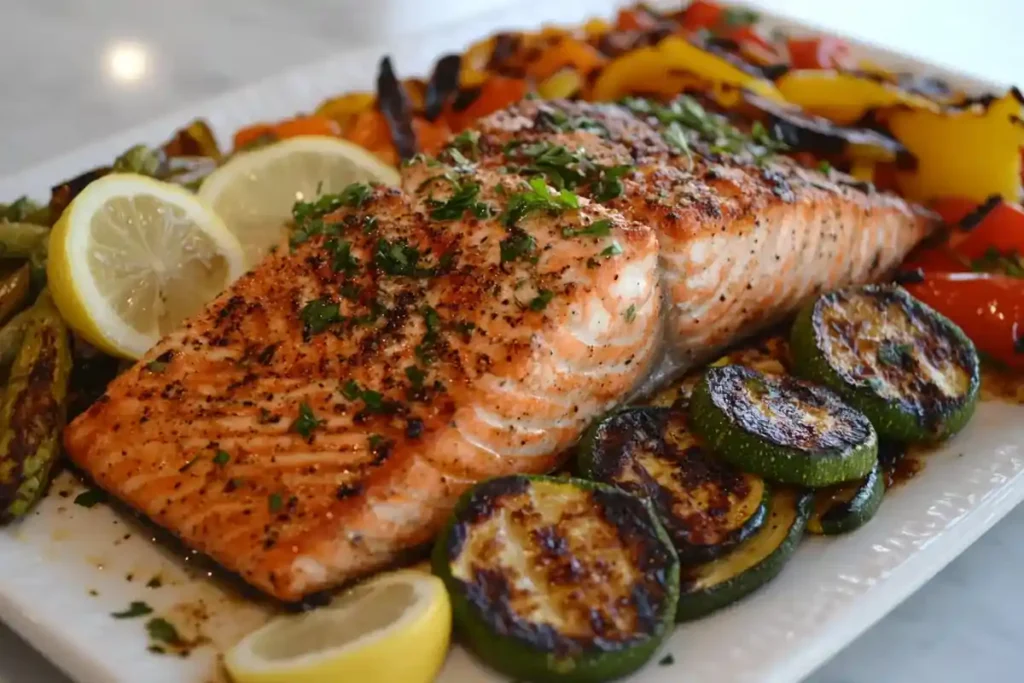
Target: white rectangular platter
[{"x": 66, "y": 568}]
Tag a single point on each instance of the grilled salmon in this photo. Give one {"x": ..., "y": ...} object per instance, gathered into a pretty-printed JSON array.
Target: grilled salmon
[
  {"x": 745, "y": 235},
  {"x": 319, "y": 419},
  {"x": 321, "y": 416}
]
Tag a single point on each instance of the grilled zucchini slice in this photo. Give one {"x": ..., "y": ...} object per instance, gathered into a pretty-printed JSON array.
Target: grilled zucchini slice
[
  {"x": 782, "y": 428},
  {"x": 755, "y": 562},
  {"x": 706, "y": 505},
  {"x": 843, "y": 508},
  {"x": 909, "y": 369},
  {"x": 558, "y": 579}
]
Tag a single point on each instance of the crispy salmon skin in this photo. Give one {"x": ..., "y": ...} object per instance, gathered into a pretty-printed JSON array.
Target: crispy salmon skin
[{"x": 320, "y": 418}]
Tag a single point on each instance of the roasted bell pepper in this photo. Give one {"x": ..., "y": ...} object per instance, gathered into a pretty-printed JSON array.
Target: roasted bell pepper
[
  {"x": 344, "y": 108},
  {"x": 250, "y": 135},
  {"x": 370, "y": 131},
  {"x": 843, "y": 97},
  {"x": 825, "y": 52},
  {"x": 988, "y": 308},
  {"x": 561, "y": 85},
  {"x": 431, "y": 136},
  {"x": 656, "y": 70},
  {"x": 635, "y": 19},
  {"x": 496, "y": 93},
  {"x": 565, "y": 52},
  {"x": 1001, "y": 229},
  {"x": 973, "y": 152},
  {"x": 300, "y": 125},
  {"x": 701, "y": 15}
]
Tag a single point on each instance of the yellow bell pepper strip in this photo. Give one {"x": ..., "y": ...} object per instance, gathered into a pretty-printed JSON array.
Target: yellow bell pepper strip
[
  {"x": 844, "y": 97},
  {"x": 973, "y": 152},
  {"x": 563, "y": 52},
  {"x": 561, "y": 85},
  {"x": 344, "y": 108},
  {"x": 655, "y": 70}
]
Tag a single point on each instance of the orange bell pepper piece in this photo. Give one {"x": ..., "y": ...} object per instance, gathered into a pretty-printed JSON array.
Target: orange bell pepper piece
[
  {"x": 566, "y": 52},
  {"x": 250, "y": 134},
  {"x": 496, "y": 93},
  {"x": 430, "y": 136},
  {"x": 307, "y": 125}
]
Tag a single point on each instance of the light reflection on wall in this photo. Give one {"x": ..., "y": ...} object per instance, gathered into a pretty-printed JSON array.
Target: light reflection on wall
[{"x": 127, "y": 62}]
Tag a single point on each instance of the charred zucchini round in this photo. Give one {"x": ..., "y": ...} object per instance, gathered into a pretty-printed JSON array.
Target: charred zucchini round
[
  {"x": 708, "y": 587},
  {"x": 557, "y": 579},
  {"x": 843, "y": 508},
  {"x": 782, "y": 428},
  {"x": 904, "y": 365},
  {"x": 706, "y": 505}
]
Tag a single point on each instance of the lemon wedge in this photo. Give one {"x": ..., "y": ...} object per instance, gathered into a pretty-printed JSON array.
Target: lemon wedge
[
  {"x": 254, "y": 192},
  {"x": 132, "y": 257},
  {"x": 393, "y": 628}
]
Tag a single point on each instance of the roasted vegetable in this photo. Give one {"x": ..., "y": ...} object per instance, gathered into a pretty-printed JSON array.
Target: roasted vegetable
[
  {"x": 845, "y": 97},
  {"x": 972, "y": 152},
  {"x": 555, "y": 579},
  {"x": 344, "y": 108},
  {"x": 781, "y": 428},
  {"x": 908, "y": 368},
  {"x": 805, "y": 132},
  {"x": 709, "y": 587},
  {"x": 24, "y": 210},
  {"x": 61, "y": 195},
  {"x": 194, "y": 140},
  {"x": 668, "y": 67},
  {"x": 706, "y": 505},
  {"x": 33, "y": 410},
  {"x": 140, "y": 159},
  {"x": 843, "y": 508},
  {"x": 20, "y": 240},
  {"x": 823, "y": 52},
  {"x": 11, "y": 336},
  {"x": 394, "y": 104},
  {"x": 442, "y": 86},
  {"x": 988, "y": 308},
  {"x": 14, "y": 289}
]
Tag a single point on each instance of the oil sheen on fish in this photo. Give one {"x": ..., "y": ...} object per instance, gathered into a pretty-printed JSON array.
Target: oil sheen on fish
[{"x": 318, "y": 420}]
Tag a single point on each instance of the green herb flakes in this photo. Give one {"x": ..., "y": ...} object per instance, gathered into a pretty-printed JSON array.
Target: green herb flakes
[
  {"x": 90, "y": 497},
  {"x": 275, "y": 502},
  {"x": 221, "y": 458},
  {"x": 306, "y": 422},
  {"x": 630, "y": 314},
  {"x": 319, "y": 314},
  {"x": 135, "y": 609},
  {"x": 518, "y": 245},
  {"x": 541, "y": 301},
  {"x": 600, "y": 228},
  {"x": 163, "y": 631}
]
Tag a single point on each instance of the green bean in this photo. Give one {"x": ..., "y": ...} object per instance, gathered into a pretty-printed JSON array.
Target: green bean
[{"x": 19, "y": 240}]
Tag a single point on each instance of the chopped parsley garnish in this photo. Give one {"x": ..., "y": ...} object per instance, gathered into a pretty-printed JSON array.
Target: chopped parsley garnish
[
  {"x": 720, "y": 135},
  {"x": 608, "y": 184},
  {"x": 675, "y": 135},
  {"x": 612, "y": 249},
  {"x": 558, "y": 120},
  {"x": 667, "y": 660},
  {"x": 319, "y": 314},
  {"x": 994, "y": 261},
  {"x": 350, "y": 291},
  {"x": 601, "y": 228},
  {"x": 518, "y": 245},
  {"x": 416, "y": 376},
  {"x": 306, "y": 422},
  {"x": 467, "y": 142},
  {"x": 562, "y": 168},
  {"x": 89, "y": 498},
  {"x": 221, "y": 458},
  {"x": 766, "y": 145},
  {"x": 136, "y": 609},
  {"x": 342, "y": 260},
  {"x": 892, "y": 353},
  {"x": 541, "y": 301},
  {"x": 396, "y": 258},
  {"x": 373, "y": 400},
  {"x": 463, "y": 198},
  {"x": 537, "y": 198},
  {"x": 824, "y": 167},
  {"x": 308, "y": 216},
  {"x": 275, "y": 502},
  {"x": 163, "y": 631},
  {"x": 426, "y": 348},
  {"x": 630, "y": 314},
  {"x": 156, "y": 366}
]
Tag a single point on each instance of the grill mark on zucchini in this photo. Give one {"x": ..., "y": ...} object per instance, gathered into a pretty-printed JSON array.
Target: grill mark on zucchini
[
  {"x": 706, "y": 505},
  {"x": 782, "y": 428},
  {"x": 911, "y": 370},
  {"x": 589, "y": 559}
]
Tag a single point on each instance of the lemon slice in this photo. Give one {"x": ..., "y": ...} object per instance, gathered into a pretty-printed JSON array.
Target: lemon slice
[
  {"x": 254, "y": 192},
  {"x": 132, "y": 257},
  {"x": 394, "y": 628}
]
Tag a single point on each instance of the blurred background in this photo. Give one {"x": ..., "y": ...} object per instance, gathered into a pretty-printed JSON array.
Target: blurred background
[{"x": 75, "y": 72}]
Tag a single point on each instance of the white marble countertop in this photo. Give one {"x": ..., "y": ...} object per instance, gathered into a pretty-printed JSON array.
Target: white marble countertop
[{"x": 74, "y": 72}]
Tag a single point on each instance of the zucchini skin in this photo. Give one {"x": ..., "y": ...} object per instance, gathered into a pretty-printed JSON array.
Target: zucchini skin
[
  {"x": 893, "y": 420},
  {"x": 33, "y": 410},
  {"x": 694, "y": 604},
  {"x": 699, "y": 471},
  {"x": 532, "y": 652},
  {"x": 843, "y": 517},
  {"x": 786, "y": 464}
]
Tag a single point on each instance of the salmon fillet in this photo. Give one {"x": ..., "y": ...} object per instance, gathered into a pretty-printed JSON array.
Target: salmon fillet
[
  {"x": 745, "y": 238},
  {"x": 318, "y": 420},
  {"x": 320, "y": 417}
]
